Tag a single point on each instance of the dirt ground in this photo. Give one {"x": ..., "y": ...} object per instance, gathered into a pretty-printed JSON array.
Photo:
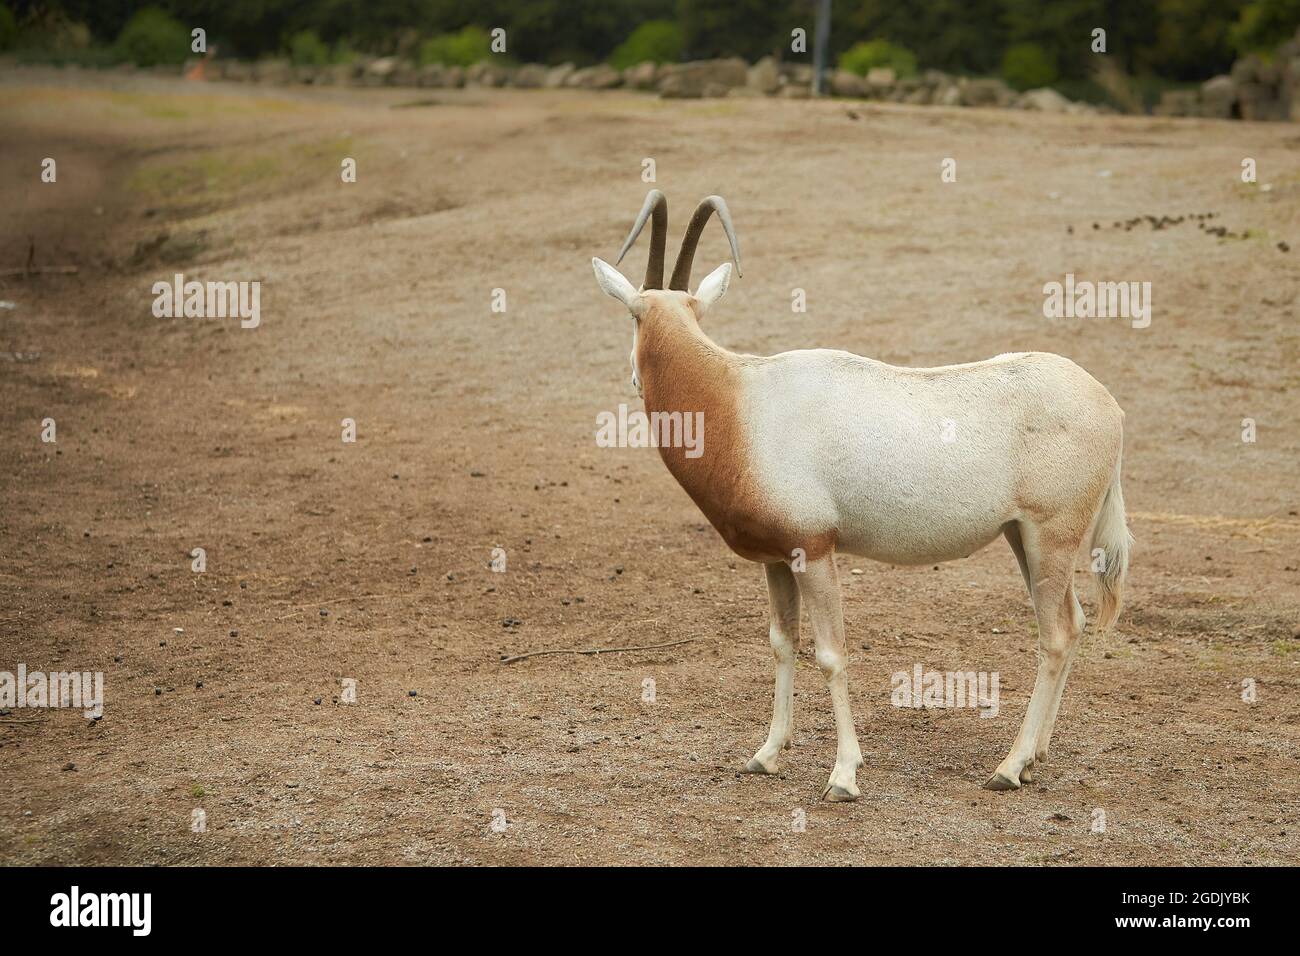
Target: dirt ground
[{"x": 370, "y": 561}]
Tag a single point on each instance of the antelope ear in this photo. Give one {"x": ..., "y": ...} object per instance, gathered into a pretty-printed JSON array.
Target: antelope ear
[
  {"x": 614, "y": 285},
  {"x": 713, "y": 287}
]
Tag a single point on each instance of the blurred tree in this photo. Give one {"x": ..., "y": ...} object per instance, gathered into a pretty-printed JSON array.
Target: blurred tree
[
  {"x": 8, "y": 28},
  {"x": 862, "y": 58},
  {"x": 961, "y": 36},
  {"x": 1027, "y": 66},
  {"x": 153, "y": 37},
  {"x": 1263, "y": 24},
  {"x": 1183, "y": 40},
  {"x": 1191, "y": 39},
  {"x": 748, "y": 28},
  {"x": 306, "y": 48},
  {"x": 659, "y": 41}
]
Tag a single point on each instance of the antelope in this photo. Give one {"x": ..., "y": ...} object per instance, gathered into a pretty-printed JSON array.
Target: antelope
[{"x": 816, "y": 452}]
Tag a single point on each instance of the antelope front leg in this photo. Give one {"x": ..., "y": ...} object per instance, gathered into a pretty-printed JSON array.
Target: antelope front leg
[
  {"x": 783, "y": 601},
  {"x": 819, "y": 586}
]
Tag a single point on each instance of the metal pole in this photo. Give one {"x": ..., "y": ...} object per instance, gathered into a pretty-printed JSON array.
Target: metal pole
[{"x": 821, "y": 37}]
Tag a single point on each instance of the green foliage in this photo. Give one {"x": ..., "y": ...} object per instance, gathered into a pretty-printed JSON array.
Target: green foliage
[
  {"x": 465, "y": 48},
  {"x": 746, "y": 28},
  {"x": 1064, "y": 29},
  {"x": 959, "y": 36},
  {"x": 1177, "y": 40},
  {"x": 343, "y": 52},
  {"x": 862, "y": 57},
  {"x": 8, "y": 28},
  {"x": 306, "y": 48},
  {"x": 152, "y": 37},
  {"x": 1264, "y": 24},
  {"x": 1026, "y": 66},
  {"x": 659, "y": 41},
  {"x": 1190, "y": 40}
]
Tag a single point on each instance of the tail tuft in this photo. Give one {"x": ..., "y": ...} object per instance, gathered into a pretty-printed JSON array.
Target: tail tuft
[{"x": 1111, "y": 536}]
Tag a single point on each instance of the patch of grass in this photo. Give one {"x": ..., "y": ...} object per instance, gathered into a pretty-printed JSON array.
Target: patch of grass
[
  {"x": 411, "y": 104},
  {"x": 210, "y": 175},
  {"x": 1286, "y": 648},
  {"x": 220, "y": 175},
  {"x": 195, "y": 106},
  {"x": 197, "y": 791},
  {"x": 323, "y": 149}
]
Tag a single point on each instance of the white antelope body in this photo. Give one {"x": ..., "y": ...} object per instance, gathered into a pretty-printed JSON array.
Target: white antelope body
[{"x": 811, "y": 452}]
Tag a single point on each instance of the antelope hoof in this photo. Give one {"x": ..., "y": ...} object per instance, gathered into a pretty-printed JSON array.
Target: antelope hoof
[
  {"x": 838, "y": 794},
  {"x": 1000, "y": 781},
  {"x": 756, "y": 765}
]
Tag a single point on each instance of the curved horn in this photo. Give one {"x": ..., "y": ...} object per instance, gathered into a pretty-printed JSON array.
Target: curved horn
[
  {"x": 686, "y": 254},
  {"x": 657, "y": 203}
]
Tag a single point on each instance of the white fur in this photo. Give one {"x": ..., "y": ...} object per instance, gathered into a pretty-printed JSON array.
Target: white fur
[
  {"x": 918, "y": 466},
  {"x": 614, "y": 284},
  {"x": 713, "y": 287}
]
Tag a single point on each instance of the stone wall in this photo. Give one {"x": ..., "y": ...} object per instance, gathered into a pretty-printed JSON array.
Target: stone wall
[
  {"x": 1256, "y": 89},
  {"x": 695, "y": 80}
]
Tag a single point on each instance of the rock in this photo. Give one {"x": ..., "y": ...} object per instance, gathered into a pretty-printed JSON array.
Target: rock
[
  {"x": 690, "y": 80},
  {"x": 1218, "y": 97},
  {"x": 406, "y": 74},
  {"x": 881, "y": 77},
  {"x": 1246, "y": 70},
  {"x": 484, "y": 73},
  {"x": 531, "y": 76},
  {"x": 1260, "y": 102},
  {"x": 277, "y": 72},
  {"x": 431, "y": 75},
  {"x": 1178, "y": 103},
  {"x": 949, "y": 95},
  {"x": 985, "y": 92},
  {"x": 453, "y": 77},
  {"x": 602, "y": 76},
  {"x": 377, "y": 72},
  {"x": 921, "y": 96},
  {"x": 557, "y": 75},
  {"x": 237, "y": 71},
  {"x": 676, "y": 84},
  {"x": 1044, "y": 100},
  {"x": 796, "y": 91},
  {"x": 337, "y": 74},
  {"x": 642, "y": 76},
  {"x": 764, "y": 76},
  {"x": 801, "y": 73},
  {"x": 845, "y": 83},
  {"x": 744, "y": 92}
]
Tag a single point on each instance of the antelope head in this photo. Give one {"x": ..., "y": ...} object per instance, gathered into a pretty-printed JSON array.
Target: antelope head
[{"x": 652, "y": 303}]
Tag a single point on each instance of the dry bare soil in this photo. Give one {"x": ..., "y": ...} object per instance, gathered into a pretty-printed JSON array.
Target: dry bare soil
[{"x": 370, "y": 561}]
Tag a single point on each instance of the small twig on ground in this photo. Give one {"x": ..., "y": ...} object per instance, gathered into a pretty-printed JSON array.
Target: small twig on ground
[
  {"x": 594, "y": 650},
  {"x": 22, "y": 720},
  {"x": 43, "y": 270}
]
